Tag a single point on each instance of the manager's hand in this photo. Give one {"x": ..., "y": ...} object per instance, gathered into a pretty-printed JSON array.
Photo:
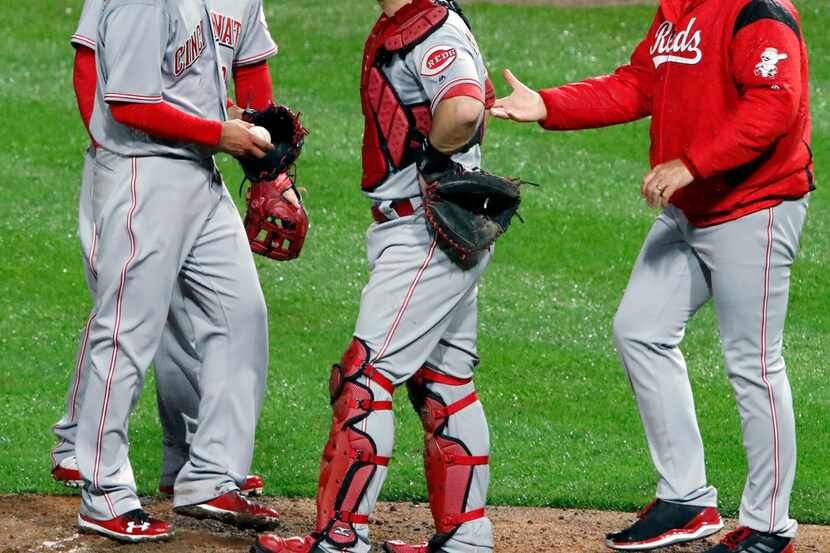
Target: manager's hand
[{"x": 524, "y": 104}]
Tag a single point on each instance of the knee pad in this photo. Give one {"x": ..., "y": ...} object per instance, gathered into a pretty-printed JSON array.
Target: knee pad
[
  {"x": 350, "y": 457},
  {"x": 448, "y": 462}
]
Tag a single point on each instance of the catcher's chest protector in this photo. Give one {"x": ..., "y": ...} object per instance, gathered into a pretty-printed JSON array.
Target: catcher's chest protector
[
  {"x": 350, "y": 457},
  {"x": 393, "y": 131}
]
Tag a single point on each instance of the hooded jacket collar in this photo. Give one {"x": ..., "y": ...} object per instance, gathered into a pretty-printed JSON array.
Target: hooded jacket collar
[{"x": 673, "y": 10}]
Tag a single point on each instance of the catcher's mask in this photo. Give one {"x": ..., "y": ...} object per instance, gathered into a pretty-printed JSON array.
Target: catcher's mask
[{"x": 276, "y": 228}]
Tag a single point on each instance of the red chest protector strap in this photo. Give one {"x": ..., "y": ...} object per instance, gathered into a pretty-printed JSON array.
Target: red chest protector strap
[{"x": 394, "y": 132}]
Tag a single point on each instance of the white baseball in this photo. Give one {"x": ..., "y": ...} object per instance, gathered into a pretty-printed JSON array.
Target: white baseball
[{"x": 260, "y": 132}]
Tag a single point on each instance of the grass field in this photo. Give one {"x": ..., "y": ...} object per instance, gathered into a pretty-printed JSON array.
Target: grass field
[{"x": 564, "y": 425}]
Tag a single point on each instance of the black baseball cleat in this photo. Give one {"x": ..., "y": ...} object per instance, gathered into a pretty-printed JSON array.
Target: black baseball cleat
[
  {"x": 661, "y": 523},
  {"x": 746, "y": 540}
]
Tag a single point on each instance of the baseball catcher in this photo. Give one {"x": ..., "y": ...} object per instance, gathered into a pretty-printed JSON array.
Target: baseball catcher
[{"x": 424, "y": 92}]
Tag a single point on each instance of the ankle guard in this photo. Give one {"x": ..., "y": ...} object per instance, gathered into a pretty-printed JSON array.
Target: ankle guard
[{"x": 350, "y": 458}]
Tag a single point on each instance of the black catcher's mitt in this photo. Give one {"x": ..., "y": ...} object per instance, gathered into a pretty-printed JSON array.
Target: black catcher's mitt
[
  {"x": 287, "y": 136},
  {"x": 468, "y": 210}
]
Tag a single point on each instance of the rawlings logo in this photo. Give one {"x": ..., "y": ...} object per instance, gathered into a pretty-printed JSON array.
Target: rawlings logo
[
  {"x": 671, "y": 47},
  {"x": 437, "y": 60}
]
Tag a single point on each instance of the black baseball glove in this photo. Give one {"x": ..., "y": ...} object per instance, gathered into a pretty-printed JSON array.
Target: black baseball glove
[
  {"x": 468, "y": 210},
  {"x": 287, "y": 136}
]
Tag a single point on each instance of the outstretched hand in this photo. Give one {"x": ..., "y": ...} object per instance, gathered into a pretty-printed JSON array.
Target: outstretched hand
[{"x": 524, "y": 104}]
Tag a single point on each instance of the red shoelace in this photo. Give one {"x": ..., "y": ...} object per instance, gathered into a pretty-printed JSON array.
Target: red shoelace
[{"x": 734, "y": 538}]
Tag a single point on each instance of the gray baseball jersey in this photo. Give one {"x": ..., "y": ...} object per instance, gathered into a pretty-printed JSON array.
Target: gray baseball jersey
[
  {"x": 149, "y": 51},
  {"x": 241, "y": 33},
  {"x": 86, "y": 34},
  {"x": 447, "y": 58}
]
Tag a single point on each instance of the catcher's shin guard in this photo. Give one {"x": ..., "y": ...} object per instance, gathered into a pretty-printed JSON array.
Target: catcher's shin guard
[
  {"x": 448, "y": 461},
  {"x": 350, "y": 459}
]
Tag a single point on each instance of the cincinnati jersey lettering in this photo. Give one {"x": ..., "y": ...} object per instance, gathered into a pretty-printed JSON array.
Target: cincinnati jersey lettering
[
  {"x": 190, "y": 51},
  {"x": 226, "y": 29}
]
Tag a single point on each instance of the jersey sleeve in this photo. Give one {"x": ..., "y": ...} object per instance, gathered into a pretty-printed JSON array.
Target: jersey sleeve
[
  {"x": 449, "y": 64},
  {"x": 256, "y": 44},
  {"x": 621, "y": 97},
  {"x": 766, "y": 61},
  {"x": 87, "y": 32},
  {"x": 134, "y": 41}
]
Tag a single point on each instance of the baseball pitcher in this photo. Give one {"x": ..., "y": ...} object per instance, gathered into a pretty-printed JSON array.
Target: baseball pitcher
[
  {"x": 247, "y": 46},
  {"x": 163, "y": 221},
  {"x": 732, "y": 169}
]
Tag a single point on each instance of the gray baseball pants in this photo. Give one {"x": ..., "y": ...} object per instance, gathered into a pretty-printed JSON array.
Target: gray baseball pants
[
  {"x": 163, "y": 223},
  {"x": 744, "y": 266},
  {"x": 176, "y": 362},
  {"x": 420, "y": 308}
]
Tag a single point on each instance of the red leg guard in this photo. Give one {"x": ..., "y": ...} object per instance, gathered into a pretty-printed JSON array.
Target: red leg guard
[
  {"x": 448, "y": 462},
  {"x": 350, "y": 458}
]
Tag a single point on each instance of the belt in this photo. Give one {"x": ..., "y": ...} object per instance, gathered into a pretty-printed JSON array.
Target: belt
[{"x": 388, "y": 210}]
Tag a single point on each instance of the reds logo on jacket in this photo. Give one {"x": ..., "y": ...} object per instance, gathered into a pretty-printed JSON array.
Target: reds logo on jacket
[{"x": 726, "y": 85}]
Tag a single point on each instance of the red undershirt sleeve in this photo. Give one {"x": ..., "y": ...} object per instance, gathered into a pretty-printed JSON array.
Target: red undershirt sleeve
[
  {"x": 253, "y": 86},
  {"x": 84, "y": 81},
  {"x": 166, "y": 122}
]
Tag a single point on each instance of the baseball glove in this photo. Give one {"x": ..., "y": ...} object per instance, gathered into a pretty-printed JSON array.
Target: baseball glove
[
  {"x": 468, "y": 210},
  {"x": 276, "y": 228},
  {"x": 287, "y": 136}
]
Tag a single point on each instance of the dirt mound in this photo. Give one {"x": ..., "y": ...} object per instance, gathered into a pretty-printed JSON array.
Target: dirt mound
[
  {"x": 562, "y": 2},
  {"x": 36, "y": 523}
]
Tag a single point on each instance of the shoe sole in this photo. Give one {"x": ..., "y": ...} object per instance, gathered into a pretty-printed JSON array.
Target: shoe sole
[
  {"x": 86, "y": 527},
  {"x": 231, "y": 518},
  {"x": 668, "y": 539},
  {"x": 253, "y": 492},
  {"x": 72, "y": 483}
]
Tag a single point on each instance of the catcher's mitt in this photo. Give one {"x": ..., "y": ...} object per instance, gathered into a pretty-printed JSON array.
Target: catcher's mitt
[
  {"x": 468, "y": 210},
  {"x": 276, "y": 228},
  {"x": 287, "y": 136}
]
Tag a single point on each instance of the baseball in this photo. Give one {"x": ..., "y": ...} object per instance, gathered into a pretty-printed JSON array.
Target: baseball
[{"x": 261, "y": 132}]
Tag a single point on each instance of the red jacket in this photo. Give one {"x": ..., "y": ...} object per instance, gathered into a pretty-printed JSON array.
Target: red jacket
[{"x": 725, "y": 83}]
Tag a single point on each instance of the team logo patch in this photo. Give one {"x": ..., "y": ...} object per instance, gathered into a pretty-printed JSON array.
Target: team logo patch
[
  {"x": 768, "y": 67},
  {"x": 438, "y": 60}
]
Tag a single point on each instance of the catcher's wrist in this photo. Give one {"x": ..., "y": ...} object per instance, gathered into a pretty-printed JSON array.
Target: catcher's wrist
[{"x": 433, "y": 161}]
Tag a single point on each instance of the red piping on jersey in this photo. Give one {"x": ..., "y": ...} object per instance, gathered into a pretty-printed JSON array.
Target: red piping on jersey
[
  {"x": 168, "y": 123},
  {"x": 82, "y": 41},
  {"x": 253, "y": 86},
  {"x": 257, "y": 58},
  {"x": 469, "y": 90},
  {"x": 84, "y": 80}
]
